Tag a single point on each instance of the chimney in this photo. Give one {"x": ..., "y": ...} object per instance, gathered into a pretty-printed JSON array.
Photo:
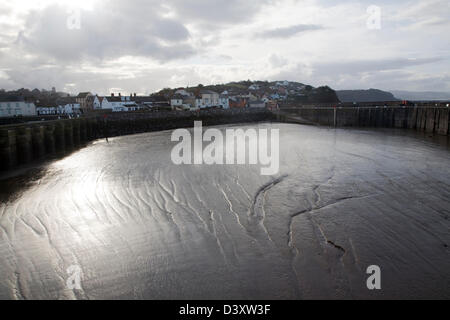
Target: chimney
[
  {"x": 112, "y": 94},
  {"x": 135, "y": 95},
  {"x": 120, "y": 94}
]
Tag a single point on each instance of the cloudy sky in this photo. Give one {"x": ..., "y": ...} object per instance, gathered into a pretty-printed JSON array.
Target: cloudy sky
[{"x": 141, "y": 46}]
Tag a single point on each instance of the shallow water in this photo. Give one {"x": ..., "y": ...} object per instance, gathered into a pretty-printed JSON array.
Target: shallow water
[{"x": 140, "y": 227}]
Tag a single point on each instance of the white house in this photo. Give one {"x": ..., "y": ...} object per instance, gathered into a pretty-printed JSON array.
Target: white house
[
  {"x": 209, "y": 99},
  {"x": 118, "y": 104},
  {"x": 224, "y": 102},
  {"x": 195, "y": 103},
  {"x": 283, "y": 83},
  {"x": 176, "y": 101},
  {"x": 97, "y": 102},
  {"x": 190, "y": 103},
  {"x": 257, "y": 104},
  {"x": 46, "y": 111},
  {"x": 183, "y": 92},
  {"x": 198, "y": 102},
  {"x": 132, "y": 107},
  {"x": 70, "y": 109},
  {"x": 17, "y": 108}
]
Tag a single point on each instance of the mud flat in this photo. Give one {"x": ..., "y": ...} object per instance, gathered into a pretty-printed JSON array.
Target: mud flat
[{"x": 140, "y": 227}]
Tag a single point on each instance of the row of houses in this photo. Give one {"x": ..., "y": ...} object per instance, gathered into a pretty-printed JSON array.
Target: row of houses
[
  {"x": 87, "y": 102},
  {"x": 119, "y": 103},
  {"x": 181, "y": 100},
  {"x": 209, "y": 99},
  {"x": 17, "y": 108},
  {"x": 69, "y": 109},
  {"x": 205, "y": 99}
]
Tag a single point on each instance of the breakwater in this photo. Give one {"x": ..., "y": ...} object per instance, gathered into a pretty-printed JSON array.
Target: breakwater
[
  {"x": 119, "y": 124},
  {"x": 23, "y": 143},
  {"x": 430, "y": 119}
]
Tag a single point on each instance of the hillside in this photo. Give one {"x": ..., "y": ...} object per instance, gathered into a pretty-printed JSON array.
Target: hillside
[
  {"x": 39, "y": 97},
  {"x": 278, "y": 90},
  {"x": 371, "y": 95}
]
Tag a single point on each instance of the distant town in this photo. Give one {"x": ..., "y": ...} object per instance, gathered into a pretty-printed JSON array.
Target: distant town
[
  {"x": 245, "y": 94},
  {"x": 234, "y": 95}
]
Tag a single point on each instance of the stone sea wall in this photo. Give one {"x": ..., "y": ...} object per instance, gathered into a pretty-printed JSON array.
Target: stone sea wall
[
  {"x": 21, "y": 144},
  {"x": 432, "y": 120}
]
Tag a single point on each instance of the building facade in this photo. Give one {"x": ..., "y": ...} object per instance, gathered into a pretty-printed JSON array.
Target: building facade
[
  {"x": 224, "y": 102},
  {"x": 85, "y": 100},
  {"x": 209, "y": 99},
  {"x": 17, "y": 108},
  {"x": 120, "y": 104},
  {"x": 257, "y": 104}
]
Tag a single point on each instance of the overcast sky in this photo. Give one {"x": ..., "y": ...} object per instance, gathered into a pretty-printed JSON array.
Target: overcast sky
[{"x": 141, "y": 46}]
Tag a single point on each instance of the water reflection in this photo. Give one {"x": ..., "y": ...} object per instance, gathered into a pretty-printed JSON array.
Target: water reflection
[{"x": 140, "y": 227}]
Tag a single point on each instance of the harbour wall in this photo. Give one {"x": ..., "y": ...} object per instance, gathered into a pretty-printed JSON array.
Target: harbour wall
[
  {"x": 429, "y": 119},
  {"x": 23, "y": 143}
]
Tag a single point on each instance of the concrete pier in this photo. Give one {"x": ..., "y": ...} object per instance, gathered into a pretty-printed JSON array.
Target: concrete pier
[
  {"x": 432, "y": 120},
  {"x": 8, "y": 149},
  {"x": 400, "y": 118},
  {"x": 443, "y": 121},
  {"x": 76, "y": 132},
  {"x": 23, "y": 143},
  {"x": 49, "y": 141},
  {"x": 38, "y": 142},
  {"x": 60, "y": 141},
  {"x": 83, "y": 130},
  {"x": 68, "y": 135}
]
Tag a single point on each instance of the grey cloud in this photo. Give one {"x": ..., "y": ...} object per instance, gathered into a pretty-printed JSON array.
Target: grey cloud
[
  {"x": 436, "y": 22},
  {"x": 4, "y": 9},
  {"x": 142, "y": 80},
  {"x": 170, "y": 30},
  {"x": 47, "y": 54},
  {"x": 355, "y": 67},
  {"x": 288, "y": 32},
  {"x": 135, "y": 28},
  {"x": 276, "y": 61},
  {"x": 383, "y": 74},
  {"x": 217, "y": 11},
  {"x": 114, "y": 32}
]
